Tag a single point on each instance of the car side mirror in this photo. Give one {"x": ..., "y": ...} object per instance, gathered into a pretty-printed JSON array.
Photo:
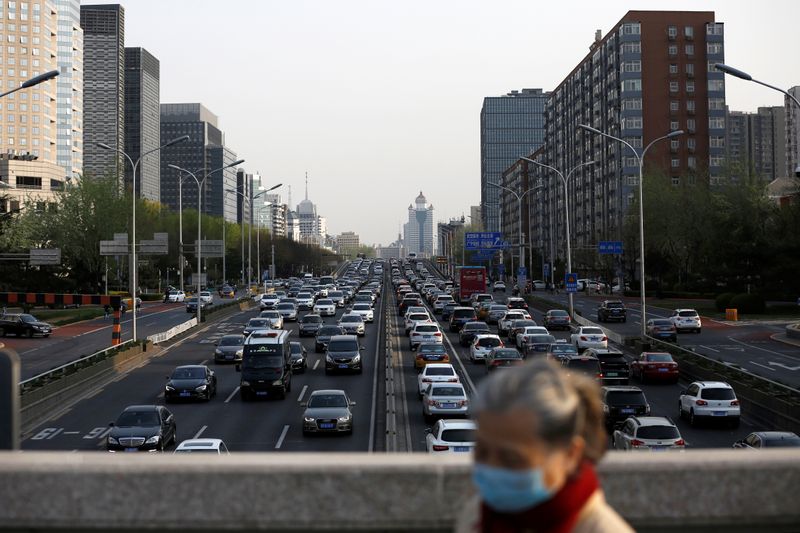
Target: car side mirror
[
  {"x": 352, "y": 404},
  {"x": 238, "y": 367},
  {"x": 111, "y": 424}
]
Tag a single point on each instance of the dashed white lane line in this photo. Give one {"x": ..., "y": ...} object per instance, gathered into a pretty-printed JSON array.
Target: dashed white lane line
[
  {"x": 302, "y": 393},
  {"x": 762, "y": 366},
  {"x": 283, "y": 436},
  {"x": 200, "y": 432},
  {"x": 316, "y": 365},
  {"x": 709, "y": 348},
  {"x": 229, "y": 398}
]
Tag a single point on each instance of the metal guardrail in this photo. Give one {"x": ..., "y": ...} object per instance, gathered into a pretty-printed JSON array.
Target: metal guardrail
[{"x": 173, "y": 331}]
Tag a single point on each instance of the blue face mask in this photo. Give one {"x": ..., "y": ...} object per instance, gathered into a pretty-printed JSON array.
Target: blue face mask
[{"x": 510, "y": 491}]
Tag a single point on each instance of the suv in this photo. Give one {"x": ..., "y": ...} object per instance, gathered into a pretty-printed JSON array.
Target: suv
[
  {"x": 686, "y": 320},
  {"x": 343, "y": 354},
  {"x": 583, "y": 364},
  {"x": 647, "y": 433},
  {"x": 611, "y": 310},
  {"x": 470, "y": 330},
  {"x": 23, "y": 324},
  {"x": 460, "y": 316},
  {"x": 621, "y": 402},
  {"x": 266, "y": 366},
  {"x": 309, "y": 325},
  {"x": 613, "y": 363},
  {"x": 709, "y": 399}
]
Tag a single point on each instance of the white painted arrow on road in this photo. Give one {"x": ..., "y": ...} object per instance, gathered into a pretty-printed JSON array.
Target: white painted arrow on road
[{"x": 773, "y": 363}]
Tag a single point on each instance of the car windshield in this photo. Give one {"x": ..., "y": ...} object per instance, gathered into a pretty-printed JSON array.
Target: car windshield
[
  {"x": 258, "y": 362},
  {"x": 327, "y": 400},
  {"x": 312, "y": 319},
  {"x": 688, "y": 313},
  {"x": 28, "y": 319},
  {"x": 351, "y": 318},
  {"x": 475, "y": 326},
  {"x": 625, "y": 398},
  {"x": 285, "y": 307},
  {"x": 489, "y": 342},
  {"x": 361, "y": 307},
  {"x": 558, "y": 313},
  {"x": 522, "y": 324},
  {"x": 418, "y": 316},
  {"x": 659, "y": 357},
  {"x": 197, "y": 450},
  {"x": 270, "y": 314},
  {"x": 296, "y": 348},
  {"x": 783, "y": 442},
  {"x": 614, "y": 305},
  {"x": 138, "y": 419},
  {"x": 329, "y": 330},
  {"x": 591, "y": 331},
  {"x": 718, "y": 393},
  {"x": 343, "y": 346},
  {"x": 661, "y": 322},
  {"x": 335, "y": 294},
  {"x": 541, "y": 339},
  {"x": 587, "y": 366},
  {"x": 188, "y": 373},
  {"x": 439, "y": 371},
  {"x": 562, "y": 347},
  {"x": 447, "y": 391},
  {"x": 237, "y": 340},
  {"x": 426, "y": 328},
  {"x": 431, "y": 348},
  {"x": 458, "y": 435},
  {"x": 498, "y": 308},
  {"x": 508, "y": 353},
  {"x": 658, "y": 432},
  {"x": 304, "y": 295},
  {"x": 463, "y": 313},
  {"x": 325, "y": 301},
  {"x": 257, "y": 323}
]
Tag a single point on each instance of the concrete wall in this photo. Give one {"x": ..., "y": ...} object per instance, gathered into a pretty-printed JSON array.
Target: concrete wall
[{"x": 720, "y": 490}]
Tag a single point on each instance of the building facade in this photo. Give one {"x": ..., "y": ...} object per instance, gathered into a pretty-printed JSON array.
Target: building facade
[
  {"x": 651, "y": 74},
  {"x": 792, "y": 133},
  {"x": 29, "y": 169},
  {"x": 756, "y": 143},
  {"x": 312, "y": 226},
  {"x": 103, "y": 88},
  {"x": 143, "y": 121},
  {"x": 69, "y": 151},
  {"x": 217, "y": 201},
  {"x": 292, "y": 226},
  {"x": 511, "y": 126},
  {"x": 244, "y": 184},
  {"x": 347, "y": 243},
  {"x": 419, "y": 233}
]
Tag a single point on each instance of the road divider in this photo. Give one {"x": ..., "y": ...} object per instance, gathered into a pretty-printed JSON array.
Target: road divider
[{"x": 171, "y": 332}]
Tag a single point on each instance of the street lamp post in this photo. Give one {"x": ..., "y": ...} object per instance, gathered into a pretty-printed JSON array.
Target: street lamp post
[
  {"x": 36, "y": 80},
  {"x": 640, "y": 159},
  {"x": 134, "y": 166},
  {"x": 747, "y": 77},
  {"x": 519, "y": 198},
  {"x": 565, "y": 182}
]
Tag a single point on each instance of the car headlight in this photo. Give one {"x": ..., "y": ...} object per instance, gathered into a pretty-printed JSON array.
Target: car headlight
[
  {"x": 239, "y": 352},
  {"x": 344, "y": 419},
  {"x": 244, "y": 384},
  {"x": 153, "y": 440},
  {"x": 201, "y": 388},
  {"x": 217, "y": 352},
  {"x": 169, "y": 388},
  {"x": 308, "y": 419},
  {"x": 277, "y": 383},
  {"x": 112, "y": 440},
  {"x": 328, "y": 358},
  {"x": 357, "y": 358}
]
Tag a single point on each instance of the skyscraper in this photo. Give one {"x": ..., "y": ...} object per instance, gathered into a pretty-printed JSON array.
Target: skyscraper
[
  {"x": 419, "y": 233},
  {"x": 511, "y": 126},
  {"x": 69, "y": 151},
  {"x": 103, "y": 87},
  {"x": 217, "y": 202},
  {"x": 792, "y": 113},
  {"x": 143, "y": 120},
  {"x": 756, "y": 143},
  {"x": 313, "y": 227}
]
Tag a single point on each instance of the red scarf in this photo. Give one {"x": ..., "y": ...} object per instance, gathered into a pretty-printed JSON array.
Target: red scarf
[{"x": 557, "y": 515}]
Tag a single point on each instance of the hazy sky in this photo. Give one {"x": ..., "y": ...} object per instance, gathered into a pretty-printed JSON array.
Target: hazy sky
[{"x": 379, "y": 99}]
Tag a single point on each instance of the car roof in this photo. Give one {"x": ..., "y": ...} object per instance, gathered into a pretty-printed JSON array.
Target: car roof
[
  {"x": 457, "y": 424},
  {"x": 621, "y": 388},
  {"x": 439, "y": 365},
  {"x": 686, "y": 309},
  {"x": 775, "y": 435},
  {"x": 487, "y": 336},
  {"x": 328, "y": 391},
  {"x": 190, "y": 366},
  {"x": 713, "y": 384},
  {"x": 653, "y": 421},
  {"x": 204, "y": 443},
  {"x": 141, "y": 408},
  {"x": 232, "y": 335},
  {"x": 344, "y": 338}
]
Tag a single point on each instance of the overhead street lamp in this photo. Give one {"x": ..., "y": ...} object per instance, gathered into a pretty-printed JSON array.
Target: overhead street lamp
[
  {"x": 36, "y": 80},
  {"x": 747, "y": 77},
  {"x": 565, "y": 182},
  {"x": 258, "y": 240},
  {"x": 134, "y": 166},
  {"x": 250, "y": 231},
  {"x": 640, "y": 158},
  {"x": 519, "y": 197}
]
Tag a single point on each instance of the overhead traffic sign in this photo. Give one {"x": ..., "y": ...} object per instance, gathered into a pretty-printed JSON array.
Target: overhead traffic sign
[
  {"x": 45, "y": 256},
  {"x": 210, "y": 248},
  {"x": 483, "y": 240},
  {"x": 610, "y": 247},
  {"x": 571, "y": 282}
]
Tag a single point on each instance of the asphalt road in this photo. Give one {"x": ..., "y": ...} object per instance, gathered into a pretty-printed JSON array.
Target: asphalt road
[
  {"x": 747, "y": 344},
  {"x": 244, "y": 426}
]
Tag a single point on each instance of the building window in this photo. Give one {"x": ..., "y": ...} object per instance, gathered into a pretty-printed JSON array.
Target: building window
[
  {"x": 715, "y": 161},
  {"x": 631, "y": 103},
  {"x": 676, "y": 180},
  {"x": 632, "y": 181},
  {"x": 716, "y": 122},
  {"x": 690, "y": 69},
  {"x": 713, "y": 48},
  {"x": 676, "y": 163},
  {"x": 632, "y": 85},
  {"x": 672, "y": 32},
  {"x": 673, "y": 105},
  {"x": 634, "y": 140},
  {"x": 631, "y": 48},
  {"x": 717, "y": 141},
  {"x": 691, "y": 143},
  {"x": 674, "y": 144},
  {"x": 689, "y": 86},
  {"x": 690, "y": 106},
  {"x": 690, "y": 125},
  {"x": 672, "y": 50},
  {"x": 688, "y": 32},
  {"x": 689, "y": 49},
  {"x": 674, "y": 125},
  {"x": 716, "y": 85},
  {"x": 714, "y": 28},
  {"x": 631, "y": 28},
  {"x": 630, "y": 162},
  {"x": 634, "y": 123},
  {"x": 631, "y": 66},
  {"x": 673, "y": 68},
  {"x": 29, "y": 182},
  {"x": 673, "y": 86},
  {"x": 692, "y": 161}
]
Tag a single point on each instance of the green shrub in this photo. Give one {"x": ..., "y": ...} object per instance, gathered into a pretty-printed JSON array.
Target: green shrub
[
  {"x": 723, "y": 301},
  {"x": 748, "y": 303}
]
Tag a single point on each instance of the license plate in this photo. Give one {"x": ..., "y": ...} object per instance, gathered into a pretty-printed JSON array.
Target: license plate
[
  {"x": 432, "y": 358},
  {"x": 342, "y": 366},
  {"x": 327, "y": 426},
  {"x": 663, "y": 369},
  {"x": 228, "y": 357},
  {"x": 719, "y": 413},
  {"x": 261, "y": 393},
  {"x": 448, "y": 406},
  {"x": 658, "y": 448},
  {"x": 626, "y": 411},
  {"x": 461, "y": 448},
  {"x": 185, "y": 394},
  {"x": 131, "y": 449},
  {"x": 612, "y": 374},
  {"x": 428, "y": 337}
]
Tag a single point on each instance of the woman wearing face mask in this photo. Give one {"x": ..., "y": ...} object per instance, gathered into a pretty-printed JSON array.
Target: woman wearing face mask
[{"x": 540, "y": 434}]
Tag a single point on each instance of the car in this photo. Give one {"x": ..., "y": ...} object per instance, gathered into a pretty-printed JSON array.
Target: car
[
  {"x": 482, "y": 345},
  {"x": 328, "y": 411},
  {"x": 468, "y": 332},
  {"x": 408, "y": 302},
  {"x": 23, "y": 325},
  {"x": 191, "y": 304},
  {"x": 288, "y": 311},
  {"x": 518, "y": 326},
  {"x": 499, "y": 286},
  {"x": 620, "y": 402},
  {"x": 686, "y": 320},
  {"x": 337, "y": 297},
  {"x": 227, "y": 292},
  {"x": 424, "y": 332},
  {"x": 650, "y": 433},
  {"x": 654, "y": 366},
  {"x": 495, "y": 313},
  {"x": 412, "y": 319},
  {"x": 305, "y": 300},
  {"x": 343, "y": 354},
  {"x": 213, "y": 446},
  {"x": 612, "y": 310},
  {"x": 502, "y": 357},
  {"x": 517, "y": 302},
  {"x": 309, "y": 325},
  {"x": 190, "y": 382},
  {"x": 477, "y": 299},
  {"x": 557, "y": 319},
  {"x": 265, "y": 369},
  {"x": 483, "y": 310},
  {"x": 365, "y": 310},
  {"x": 582, "y": 364},
  {"x": 353, "y": 323},
  {"x": 142, "y": 428},
  {"x": 451, "y": 436},
  {"x": 229, "y": 348},
  {"x": 274, "y": 317},
  {"x": 460, "y": 316},
  {"x": 447, "y": 310},
  {"x": 325, "y": 307},
  {"x": 416, "y": 309},
  {"x": 176, "y": 296},
  {"x": 538, "y": 285},
  {"x": 324, "y": 334},
  {"x": 436, "y": 373},
  {"x": 589, "y": 337},
  {"x": 613, "y": 364},
  {"x": 523, "y": 335},
  {"x": 504, "y": 324},
  {"x": 560, "y": 349},
  {"x": 662, "y": 329},
  {"x": 256, "y": 323},
  {"x": 440, "y": 301},
  {"x": 206, "y": 297},
  {"x": 768, "y": 439},
  {"x": 536, "y": 344},
  {"x": 444, "y": 400},
  {"x": 430, "y": 352},
  {"x": 299, "y": 357},
  {"x": 268, "y": 301},
  {"x": 711, "y": 400}
]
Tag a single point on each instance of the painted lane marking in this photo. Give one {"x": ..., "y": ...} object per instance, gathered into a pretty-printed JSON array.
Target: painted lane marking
[
  {"x": 302, "y": 393},
  {"x": 229, "y": 398},
  {"x": 200, "y": 432},
  {"x": 283, "y": 436}
]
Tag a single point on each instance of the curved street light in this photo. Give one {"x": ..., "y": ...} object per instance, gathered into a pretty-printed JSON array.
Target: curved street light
[{"x": 36, "y": 80}]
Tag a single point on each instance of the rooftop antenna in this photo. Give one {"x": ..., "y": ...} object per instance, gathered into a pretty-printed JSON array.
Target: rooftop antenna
[
  {"x": 306, "y": 185},
  {"x": 290, "y": 198}
]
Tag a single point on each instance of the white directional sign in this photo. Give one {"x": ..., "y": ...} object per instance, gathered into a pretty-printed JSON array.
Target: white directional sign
[
  {"x": 209, "y": 248},
  {"x": 45, "y": 256}
]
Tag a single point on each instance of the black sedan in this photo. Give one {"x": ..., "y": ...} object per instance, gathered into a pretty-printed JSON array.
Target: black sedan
[
  {"x": 299, "y": 357},
  {"x": 191, "y": 382},
  {"x": 142, "y": 428},
  {"x": 23, "y": 325},
  {"x": 470, "y": 329}
]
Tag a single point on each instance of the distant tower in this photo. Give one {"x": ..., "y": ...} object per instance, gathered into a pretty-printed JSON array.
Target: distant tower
[{"x": 290, "y": 197}]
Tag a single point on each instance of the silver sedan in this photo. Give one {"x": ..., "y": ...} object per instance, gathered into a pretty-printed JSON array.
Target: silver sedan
[{"x": 328, "y": 411}]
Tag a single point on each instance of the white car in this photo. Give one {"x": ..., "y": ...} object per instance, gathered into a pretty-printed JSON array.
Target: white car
[
  {"x": 325, "y": 307},
  {"x": 589, "y": 337},
  {"x": 416, "y": 318},
  {"x": 424, "y": 333},
  {"x": 202, "y": 446},
  {"x": 451, "y": 436},
  {"x": 686, "y": 320},
  {"x": 527, "y": 333},
  {"x": 709, "y": 400},
  {"x": 499, "y": 286},
  {"x": 538, "y": 285},
  {"x": 365, "y": 310},
  {"x": 482, "y": 345},
  {"x": 176, "y": 296},
  {"x": 647, "y": 433},
  {"x": 441, "y": 301},
  {"x": 436, "y": 373},
  {"x": 444, "y": 400},
  {"x": 305, "y": 300},
  {"x": 415, "y": 309},
  {"x": 206, "y": 297},
  {"x": 268, "y": 301},
  {"x": 504, "y": 324}
]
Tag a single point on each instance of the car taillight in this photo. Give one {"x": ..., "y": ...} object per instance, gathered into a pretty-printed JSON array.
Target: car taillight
[
  {"x": 502, "y": 344},
  {"x": 637, "y": 442},
  {"x": 679, "y": 442},
  {"x": 701, "y": 402},
  {"x": 438, "y": 448},
  {"x": 462, "y": 403},
  {"x": 437, "y": 334},
  {"x": 735, "y": 402},
  {"x": 600, "y": 375},
  {"x": 452, "y": 380},
  {"x": 583, "y": 338},
  {"x": 433, "y": 402},
  {"x": 604, "y": 339}
]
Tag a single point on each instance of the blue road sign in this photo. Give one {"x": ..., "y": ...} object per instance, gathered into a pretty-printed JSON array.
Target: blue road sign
[
  {"x": 546, "y": 270},
  {"x": 571, "y": 282},
  {"x": 483, "y": 255},
  {"x": 483, "y": 241},
  {"x": 610, "y": 247},
  {"x": 522, "y": 271}
]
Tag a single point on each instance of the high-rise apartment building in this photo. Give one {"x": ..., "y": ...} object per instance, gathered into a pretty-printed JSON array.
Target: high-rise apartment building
[
  {"x": 274, "y": 218},
  {"x": 29, "y": 169},
  {"x": 103, "y": 88},
  {"x": 143, "y": 121},
  {"x": 756, "y": 143},
  {"x": 244, "y": 184},
  {"x": 419, "y": 232},
  {"x": 792, "y": 113},
  {"x": 511, "y": 126},
  {"x": 217, "y": 202},
  {"x": 69, "y": 101},
  {"x": 347, "y": 243},
  {"x": 651, "y": 74}
]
